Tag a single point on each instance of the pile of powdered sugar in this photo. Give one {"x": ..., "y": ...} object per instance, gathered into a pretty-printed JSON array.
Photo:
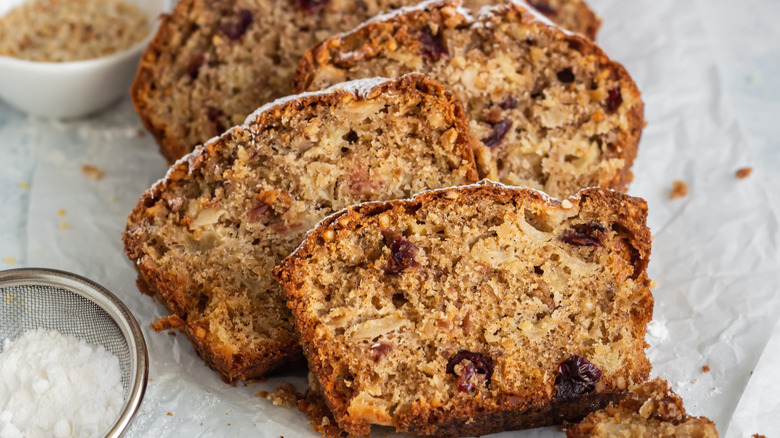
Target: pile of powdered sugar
[{"x": 53, "y": 385}]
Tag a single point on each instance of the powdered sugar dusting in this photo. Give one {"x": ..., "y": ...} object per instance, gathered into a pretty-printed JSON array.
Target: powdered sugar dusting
[
  {"x": 53, "y": 385},
  {"x": 404, "y": 10}
]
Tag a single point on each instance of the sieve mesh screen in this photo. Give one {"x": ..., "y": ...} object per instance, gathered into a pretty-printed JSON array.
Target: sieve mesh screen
[{"x": 28, "y": 307}]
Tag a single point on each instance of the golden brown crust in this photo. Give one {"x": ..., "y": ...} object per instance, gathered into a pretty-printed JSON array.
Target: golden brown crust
[
  {"x": 478, "y": 416},
  {"x": 390, "y": 41}
]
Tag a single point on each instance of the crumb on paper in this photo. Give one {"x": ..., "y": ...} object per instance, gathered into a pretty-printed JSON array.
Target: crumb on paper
[
  {"x": 285, "y": 395},
  {"x": 141, "y": 132},
  {"x": 93, "y": 172},
  {"x": 228, "y": 424},
  {"x": 705, "y": 369},
  {"x": 679, "y": 190},
  {"x": 64, "y": 225},
  {"x": 112, "y": 198},
  {"x": 694, "y": 381},
  {"x": 10, "y": 260},
  {"x": 653, "y": 284},
  {"x": 24, "y": 184},
  {"x": 757, "y": 435},
  {"x": 61, "y": 212},
  {"x": 170, "y": 414},
  {"x": 262, "y": 394},
  {"x": 743, "y": 173}
]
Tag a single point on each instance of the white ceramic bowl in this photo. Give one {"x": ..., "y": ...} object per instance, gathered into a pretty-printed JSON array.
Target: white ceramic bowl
[{"x": 66, "y": 90}]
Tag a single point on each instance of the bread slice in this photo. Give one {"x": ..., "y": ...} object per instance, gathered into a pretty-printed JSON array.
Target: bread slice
[
  {"x": 212, "y": 62},
  {"x": 206, "y": 238},
  {"x": 652, "y": 409},
  {"x": 552, "y": 111},
  {"x": 474, "y": 309}
]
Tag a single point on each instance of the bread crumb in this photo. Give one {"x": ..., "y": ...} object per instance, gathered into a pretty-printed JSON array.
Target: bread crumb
[
  {"x": 705, "y": 368},
  {"x": 61, "y": 212},
  {"x": 141, "y": 133},
  {"x": 262, "y": 394},
  {"x": 679, "y": 190},
  {"x": 285, "y": 395},
  {"x": 93, "y": 172},
  {"x": 757, "y": 435},
  {"x": 653, "y": 284},
  {"x": 24, "y": 184},
  {"x": 10, "y": 260},
  {"x": 694, "y": 380},
  {"x": 170, "y": 414},
  {"x": 743, "y": 173},
  {"x": 64, "y": 225}
]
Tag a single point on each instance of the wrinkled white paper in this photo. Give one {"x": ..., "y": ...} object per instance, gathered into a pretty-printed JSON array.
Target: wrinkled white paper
[{"x": 715, "y": 253}]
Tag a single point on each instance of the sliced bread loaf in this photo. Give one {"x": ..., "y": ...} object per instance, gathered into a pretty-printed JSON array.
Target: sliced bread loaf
[
  {"x": 474, "y": 309},
  {"x": 651, "y": 410},
  {"x": 206, "y": 238},
  {"x": 552, "y": 111},
  {"x": 212, "y": 62}
]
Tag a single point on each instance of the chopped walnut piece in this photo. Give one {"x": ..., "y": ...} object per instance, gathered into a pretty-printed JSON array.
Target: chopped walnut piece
[
  {"x": 744, "y": 172},
  {"x": 679, "y": 190}
]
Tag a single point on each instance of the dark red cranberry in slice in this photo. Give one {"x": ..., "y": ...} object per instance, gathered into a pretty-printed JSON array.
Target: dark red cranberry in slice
[
  {"x": 402, "y": 252},
  {"x": 311, "y": 6},
  {"x": 576, "y": 376},
  {"x": 508, "y": 103},
  {"x": 237, "y": 27},
  {"x": 217, "y": 119},
  {"x": 497, "y": 134},
  {"x": 584, "y": 235},
  {"x": 194, "y": 69},
  {"x": 471, "y": 364},
  {"x": 259, "y": 213},
  {"x": 543, "y": 7},
  {"x": 432, "y": 46},
  {"x": 614, "y": 99},
  {"x": 566, "y": 76}
]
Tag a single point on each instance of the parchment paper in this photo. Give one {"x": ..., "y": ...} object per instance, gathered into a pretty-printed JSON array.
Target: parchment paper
[{"x": 715, "y": 253}]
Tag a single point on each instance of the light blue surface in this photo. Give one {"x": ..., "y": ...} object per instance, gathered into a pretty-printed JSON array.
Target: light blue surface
[{"x": 710, "y": 76}]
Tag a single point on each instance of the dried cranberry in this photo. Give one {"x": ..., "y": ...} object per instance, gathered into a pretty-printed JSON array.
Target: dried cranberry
[
  {"x": 194, "y": 67},
  {"x": 584, "y": 235},
  {"x": 497, "y": 134},
  {"x": 508, "y": 103},
  {"x": 379, "y": 349},
  {"x": 311, "y": 6},
  {"x": 259, "y": 213},
  {"x": 432, "y": 46},
  {"x": 576, "y": 376},
  {"x": 237, "y": 27},
  {"x": 472, "y": 363},
  {"x": 614, "y": 100},
  {"x": 217, "y": 119},
  {"x": 566, "y": 76},
  {"x": 402, "y": 252},
  {"x": 543, "y": 7}
]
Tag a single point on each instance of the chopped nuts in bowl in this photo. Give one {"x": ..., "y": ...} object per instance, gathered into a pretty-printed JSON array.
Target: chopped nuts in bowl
[{"x": 63, "y": 59}]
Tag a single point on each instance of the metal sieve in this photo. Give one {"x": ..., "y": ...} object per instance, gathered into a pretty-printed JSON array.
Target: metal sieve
[{"x": 32, "y": 298}]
